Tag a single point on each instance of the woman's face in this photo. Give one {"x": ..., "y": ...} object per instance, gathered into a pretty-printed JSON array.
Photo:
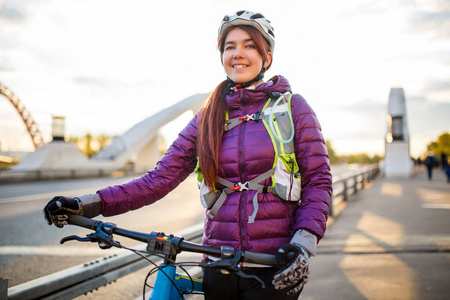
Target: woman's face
[{"x": 241, "y": 60}]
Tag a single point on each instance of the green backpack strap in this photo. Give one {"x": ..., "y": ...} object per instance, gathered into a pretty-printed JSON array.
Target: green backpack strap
[{"x": 277, "y": 118}]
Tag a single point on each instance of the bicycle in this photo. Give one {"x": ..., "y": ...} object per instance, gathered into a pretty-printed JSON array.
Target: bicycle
[{"x": 169, "y": 284}]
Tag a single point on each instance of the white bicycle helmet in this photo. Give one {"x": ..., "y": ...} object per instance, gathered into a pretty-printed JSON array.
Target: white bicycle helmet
[{"x": 257, "y": 20}]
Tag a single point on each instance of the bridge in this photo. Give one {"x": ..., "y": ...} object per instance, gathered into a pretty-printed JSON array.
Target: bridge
[
  {"x": 25, "y": 115},
  {"x": 59, "y": 159}
]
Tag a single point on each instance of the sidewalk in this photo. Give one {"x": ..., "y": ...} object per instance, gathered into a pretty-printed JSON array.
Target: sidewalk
[{"x": 390, "y": 241}]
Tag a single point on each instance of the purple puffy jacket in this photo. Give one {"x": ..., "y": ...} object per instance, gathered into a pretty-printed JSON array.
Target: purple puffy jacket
[{"x": 246, "y": 152}]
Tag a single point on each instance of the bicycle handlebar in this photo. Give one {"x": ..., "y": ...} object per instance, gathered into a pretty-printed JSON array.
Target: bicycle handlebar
[
  {"x": 81, "y": 221},
  {"x": 171, "y": 245}
]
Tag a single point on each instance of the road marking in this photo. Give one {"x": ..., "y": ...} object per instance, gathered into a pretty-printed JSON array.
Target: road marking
[
  {"x": 363, "y": 244},
  {"x": 35, "y": 197},
  {"x": 436, "y": 205},
  {"x": 55, "y": 251}
]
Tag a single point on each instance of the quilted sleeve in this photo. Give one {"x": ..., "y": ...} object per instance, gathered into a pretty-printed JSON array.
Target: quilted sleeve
[
  {"x": 312, "y": 158},
  {"x": 174, "y": 167}
]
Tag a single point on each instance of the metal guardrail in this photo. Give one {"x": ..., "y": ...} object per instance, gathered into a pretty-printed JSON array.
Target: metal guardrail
[
  {"x": 78, "y": 280},
  {"x": 350, "y": 182},
  {"x": 3, "y": 288},
  {"x": 9, "y": 176}
]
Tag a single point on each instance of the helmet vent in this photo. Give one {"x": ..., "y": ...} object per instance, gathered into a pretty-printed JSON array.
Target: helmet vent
[
  {"x": 257, "y": 16},
  {"x": 240, "y": 12}
]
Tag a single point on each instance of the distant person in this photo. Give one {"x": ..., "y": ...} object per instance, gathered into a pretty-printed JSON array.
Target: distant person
[
  {"x": 430, "y": 162},
  {"x": 447, "y": 172},
  {"x": 445, "y": 165},
  {"x": 444, "y": 161},
  {"x": 253, "y": 175}
]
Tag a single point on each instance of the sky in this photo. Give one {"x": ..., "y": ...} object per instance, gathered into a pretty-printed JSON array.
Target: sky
[{"x": 106, "y": 65}]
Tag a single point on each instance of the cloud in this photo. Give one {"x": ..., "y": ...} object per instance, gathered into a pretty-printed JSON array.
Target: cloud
[
  {"x": 343, "y": 57},
  {"x": 367, "y": 119},
  {"x": 433, "y": 16},
  {"x": 10, "y": 13},
  {"x": 366, "y": 106},
  {"x": 366, "y": 8},
  {"x": 426, "y": 116},
  {"x": 439, "y": 86},
  {"x": 362, "y": 120}
]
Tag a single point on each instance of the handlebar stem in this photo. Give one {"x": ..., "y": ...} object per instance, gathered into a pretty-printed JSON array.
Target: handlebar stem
[{"x": 168, "y": 245}]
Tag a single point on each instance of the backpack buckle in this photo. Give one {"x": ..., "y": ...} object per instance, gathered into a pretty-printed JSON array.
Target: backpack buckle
[
  {"x": 247, "y": 118},
  {"x": 252, "y": 117},
  {"x": 239, "y": 187}
]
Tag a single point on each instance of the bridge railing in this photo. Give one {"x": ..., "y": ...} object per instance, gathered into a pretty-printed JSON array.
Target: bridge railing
[
  {"x": 78, "y": 280},
  {"x": 348, "y": 183},
  {"x": 6, "y": 176}
]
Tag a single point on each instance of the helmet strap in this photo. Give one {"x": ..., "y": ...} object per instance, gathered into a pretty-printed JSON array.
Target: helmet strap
[
  {"x": 243, "y": 85},
  {"x": 237, "y": 86}
]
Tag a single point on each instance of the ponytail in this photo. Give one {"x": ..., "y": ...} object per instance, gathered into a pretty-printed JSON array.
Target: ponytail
[{"x": 210, "y": 132}]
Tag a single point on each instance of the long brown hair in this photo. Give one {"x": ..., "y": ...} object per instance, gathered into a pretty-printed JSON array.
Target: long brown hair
[{"x": 212, "y": 117}]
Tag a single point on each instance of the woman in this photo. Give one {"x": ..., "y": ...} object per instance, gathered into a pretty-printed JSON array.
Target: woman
[{"x": 251, "y": 216}]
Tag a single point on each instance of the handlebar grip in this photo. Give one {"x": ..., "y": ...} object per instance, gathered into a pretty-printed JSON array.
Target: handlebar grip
[
  {"x": 81, "y": 221},
  {"x": 260, "y": 258}
]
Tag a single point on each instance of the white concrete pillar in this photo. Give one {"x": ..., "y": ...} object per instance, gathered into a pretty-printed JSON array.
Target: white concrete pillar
[
  {"x": 397, "y": 161},
  {"x": 148, "y": 156}
]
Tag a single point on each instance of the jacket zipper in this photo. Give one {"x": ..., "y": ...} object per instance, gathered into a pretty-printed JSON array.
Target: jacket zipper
[{"x": 243, "y": 204}]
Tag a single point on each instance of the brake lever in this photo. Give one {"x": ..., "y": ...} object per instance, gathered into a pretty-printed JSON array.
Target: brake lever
[
  {"x": 74, "y": 237},
  {"x": 244, "y": 275},
  {"x": 104, "y": 240},
  {"x": 231, "y": 264}
]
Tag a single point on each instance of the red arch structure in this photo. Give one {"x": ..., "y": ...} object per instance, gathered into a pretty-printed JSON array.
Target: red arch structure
[{"x": 32, "y": 127}]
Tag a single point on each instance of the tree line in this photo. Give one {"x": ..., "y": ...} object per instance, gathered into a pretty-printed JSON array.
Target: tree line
[
  {"x": 90, "y": 144},
  {"x": 356, "y": 158},
  {"x": 439, "y": 146}
]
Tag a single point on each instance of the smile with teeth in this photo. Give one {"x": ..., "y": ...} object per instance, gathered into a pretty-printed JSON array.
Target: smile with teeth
[{"x": 239, "y": 66}]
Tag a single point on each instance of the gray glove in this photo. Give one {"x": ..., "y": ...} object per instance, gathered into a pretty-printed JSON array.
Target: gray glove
[
  {"x": 295, "y": 276},
  {"x": 56, "y": 210}
]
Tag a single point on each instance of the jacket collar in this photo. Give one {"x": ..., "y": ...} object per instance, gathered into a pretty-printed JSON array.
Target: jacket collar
[{"x": 253, "y": 96}]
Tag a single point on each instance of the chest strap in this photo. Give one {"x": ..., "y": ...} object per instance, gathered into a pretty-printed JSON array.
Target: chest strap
[
  {"x": 231, "y": 123},
  {"x": 239, "y": 187}
]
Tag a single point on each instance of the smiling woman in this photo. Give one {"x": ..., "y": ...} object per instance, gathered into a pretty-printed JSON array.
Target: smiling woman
[{"x": 261, "y": 191}]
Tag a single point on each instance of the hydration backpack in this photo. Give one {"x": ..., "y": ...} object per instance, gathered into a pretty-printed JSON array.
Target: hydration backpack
[{"x": 286, "y": 179}]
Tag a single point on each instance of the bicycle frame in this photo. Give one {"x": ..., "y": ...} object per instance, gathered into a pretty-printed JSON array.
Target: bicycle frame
[{"x": 164, "y": 287}]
